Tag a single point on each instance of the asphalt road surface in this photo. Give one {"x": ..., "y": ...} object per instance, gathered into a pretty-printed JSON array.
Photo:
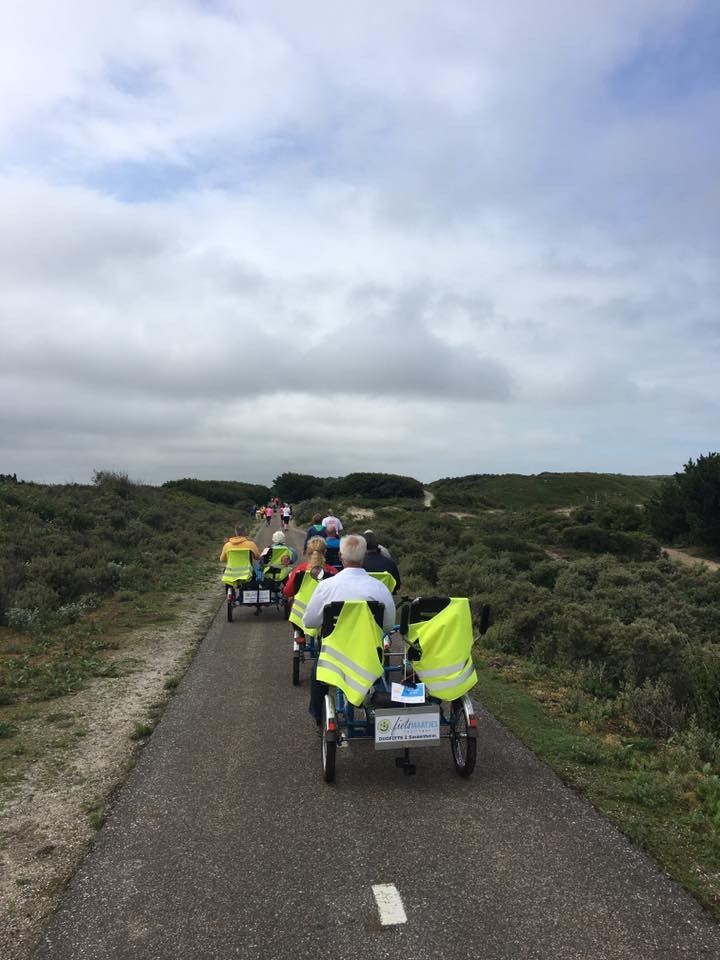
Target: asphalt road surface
[{"x": 225, "y": 842}]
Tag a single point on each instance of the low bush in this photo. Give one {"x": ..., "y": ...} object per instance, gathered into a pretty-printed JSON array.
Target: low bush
[
  {"x": 596, "y": 539},
  {"x": 653, "y": 708}
]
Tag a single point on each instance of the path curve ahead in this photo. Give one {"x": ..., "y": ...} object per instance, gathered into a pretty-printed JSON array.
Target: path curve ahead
[{"x": 225, "y": 843}]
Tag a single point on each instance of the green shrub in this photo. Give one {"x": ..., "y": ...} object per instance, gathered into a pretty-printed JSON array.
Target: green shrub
[
  {"x": 645, "y": 650},
  {"x": 596, "y": 539},
  {"x": 584, "y": 632},
  {"x": 708, "y": 793},
  {"x": 653, "y": 708},
  {"x": 698, "y": 745}
]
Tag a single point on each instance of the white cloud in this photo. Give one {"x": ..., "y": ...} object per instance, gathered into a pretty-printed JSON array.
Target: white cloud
[{"x": 443, "y": 226}]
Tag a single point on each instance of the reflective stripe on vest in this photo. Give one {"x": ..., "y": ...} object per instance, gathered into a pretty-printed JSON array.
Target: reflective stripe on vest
[
  {"x": 302, "y": 598},
  {"x": 446, "y": 640},
  {"x": 239, "y": 566},
  {"x": 349, "y": 657}
]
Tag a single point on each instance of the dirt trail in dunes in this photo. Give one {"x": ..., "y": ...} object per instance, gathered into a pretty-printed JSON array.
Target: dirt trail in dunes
[{"x": 689, "y": 560}]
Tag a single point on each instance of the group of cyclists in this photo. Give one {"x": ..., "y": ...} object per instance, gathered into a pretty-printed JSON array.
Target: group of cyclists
[
  {"x": 362, "y": 567},
  {"x": 321, "y": 559},
  {"x": 339, "y": 598},
  {"x": 321, "y": 548}
]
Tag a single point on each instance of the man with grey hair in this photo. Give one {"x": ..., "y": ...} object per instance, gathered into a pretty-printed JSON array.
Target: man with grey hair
[{"x": 352, "y": 583}]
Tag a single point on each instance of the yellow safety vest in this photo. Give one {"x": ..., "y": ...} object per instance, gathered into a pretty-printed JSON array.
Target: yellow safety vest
[
  {"x": 446, "y": 666},
  {"x": 348, "y": 656},
  {"x": 302, "y": 599},
  {"x": 275, "y": 560},
  {"x": 239, "y": 566},
  {"x": 384, "y": 576}
]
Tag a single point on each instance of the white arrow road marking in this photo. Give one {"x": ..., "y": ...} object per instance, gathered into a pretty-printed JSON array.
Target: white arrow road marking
[{"x": 389, "y": 904}]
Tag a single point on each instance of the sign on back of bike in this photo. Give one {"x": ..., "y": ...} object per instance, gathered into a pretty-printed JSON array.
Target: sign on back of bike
[
  {"x": 416, "y": 726},
  {"x": 256, "y": 596}
]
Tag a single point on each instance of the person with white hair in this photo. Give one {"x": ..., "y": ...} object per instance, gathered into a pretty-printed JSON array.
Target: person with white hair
[
  {"x": 289, "y": 554},
  {"x": 352, "y": 583}
]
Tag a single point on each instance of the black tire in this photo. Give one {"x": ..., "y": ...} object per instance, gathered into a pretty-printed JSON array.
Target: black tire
[
  {"x": 230, "y": 610},
  {"x": 286, "y": 608},
  {"x": 328, "y": 748},
  {"x": 296, "y": 669},
  {"x": 463, "y": 746}
]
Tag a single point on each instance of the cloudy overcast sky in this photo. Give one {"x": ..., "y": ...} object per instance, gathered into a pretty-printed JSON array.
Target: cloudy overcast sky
[{"x": 430, "y": 238}]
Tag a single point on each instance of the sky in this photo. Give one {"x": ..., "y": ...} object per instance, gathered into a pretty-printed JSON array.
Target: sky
[{"x": 434, "y": 239}]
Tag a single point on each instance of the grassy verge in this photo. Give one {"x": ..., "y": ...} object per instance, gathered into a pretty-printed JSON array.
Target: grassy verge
[
  {"x": 661, "y": 794},
  {"x": 38, "y": 670}
]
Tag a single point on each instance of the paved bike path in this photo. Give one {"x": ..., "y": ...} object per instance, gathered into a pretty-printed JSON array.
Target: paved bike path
[{"x": 226, "y": 843}]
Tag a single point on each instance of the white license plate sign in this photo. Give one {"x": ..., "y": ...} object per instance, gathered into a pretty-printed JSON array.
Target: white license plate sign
[
  {"x": 413, "y": 725},
  {"x": 256, "y": 596}
]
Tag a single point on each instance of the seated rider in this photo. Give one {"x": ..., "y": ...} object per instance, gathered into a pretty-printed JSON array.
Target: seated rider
[
  {"x": 332, "y": 546},
  {"x": 316, "y": 529},
  {"x": 240, "y": 542},
  {"x": 352, "y": 583},
  {"x": 278, "y": 540},
  {"x": 376, "y": 562},
  {"x": 315, "y": 566},
  {"x": 383, "y": 550},
  {"x": 332, "y": 519}
]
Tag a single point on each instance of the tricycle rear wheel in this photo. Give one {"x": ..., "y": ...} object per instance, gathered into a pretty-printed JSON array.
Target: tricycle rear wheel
[
  {"x": 463, "y": 746},
  {"x": 328, "y": 748}
]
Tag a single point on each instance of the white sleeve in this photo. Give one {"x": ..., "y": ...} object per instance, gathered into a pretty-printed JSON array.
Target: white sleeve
[
  {"x": 314, "y": 611},
  {"x": 389, "y": 615}
]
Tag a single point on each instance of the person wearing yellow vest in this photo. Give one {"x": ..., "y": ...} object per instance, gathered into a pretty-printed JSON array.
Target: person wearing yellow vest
[
  {"x": 239, "y": 542},
  {"x": 352, "y": 583},
  {"x": 288, "y": 558},
  {"x": 302, "y": 583}
]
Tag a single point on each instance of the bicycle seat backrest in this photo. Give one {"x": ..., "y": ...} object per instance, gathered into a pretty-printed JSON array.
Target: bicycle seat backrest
[
  {"x": 351, "y": 654},
  {"x": 439, "y": 632},
  {"x": 420, "y": 610},
  {"x": 331, "y": 612},
  {"x": 384, "y": 576},
  {"x": 274, "y": 567},
  {"x": 238, "y": 566}
]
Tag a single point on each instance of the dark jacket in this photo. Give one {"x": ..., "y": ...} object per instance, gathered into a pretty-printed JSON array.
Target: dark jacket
[
  {"x": 375, "y": 562},
  {"x": 316, "y": 530}
]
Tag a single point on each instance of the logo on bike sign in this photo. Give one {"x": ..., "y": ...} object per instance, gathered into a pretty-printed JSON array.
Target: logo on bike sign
[{"x": 416, "y": 725}]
